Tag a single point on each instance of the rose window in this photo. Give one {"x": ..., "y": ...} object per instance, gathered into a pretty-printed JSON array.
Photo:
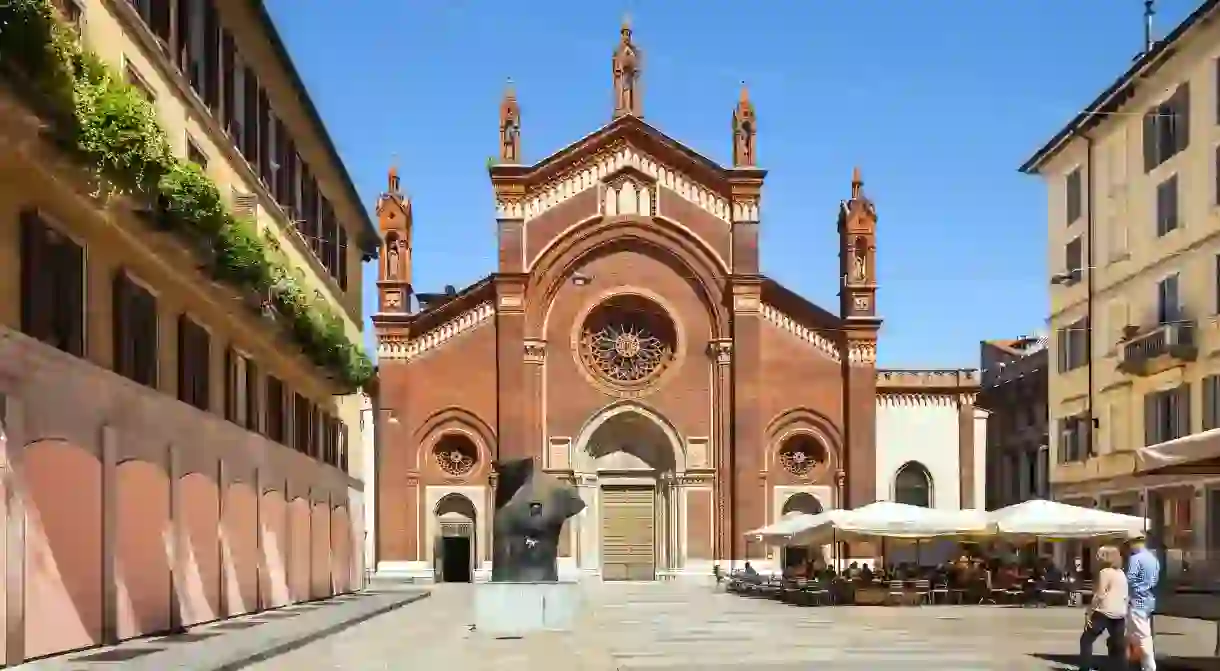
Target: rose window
[
  {"x": 627, "y": 341},
  {"x": 801, "y": 454},
  {"x": 455, "y": 454}
]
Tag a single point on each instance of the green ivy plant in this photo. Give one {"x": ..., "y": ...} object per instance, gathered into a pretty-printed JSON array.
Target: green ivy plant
[{"x": 114, "y": 130}]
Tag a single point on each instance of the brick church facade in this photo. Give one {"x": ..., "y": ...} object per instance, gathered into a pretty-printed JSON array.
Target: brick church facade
[{"x": 629, "y": 342}]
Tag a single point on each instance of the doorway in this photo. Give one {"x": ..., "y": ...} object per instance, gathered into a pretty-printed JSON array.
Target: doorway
[
  {"x": 455, "y": 559},
  {"x": 454, "y": 548}
]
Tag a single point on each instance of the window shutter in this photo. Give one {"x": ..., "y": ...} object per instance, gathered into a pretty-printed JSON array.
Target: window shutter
[
  {"x": 252, "y": 414},
  {"x": 70, "y": 308},
  {"x": 184, "y": 360},
  {"x": 122, "y": 322},
  {"x": 1150, "y": 419},
  {"x": 343, "y": 446},
  {"x": 1150, "y": 140},
  {"x": 1061, "y": 336},
  {"x": 1181, "y": 117},
  {"x": 1182, "y": 411},
  {"x": 230, "y": 385},
  {"x": 342, "y": 271},
  {"x": 1209, "y": 402},
  {"x": 146, "y": 354}
]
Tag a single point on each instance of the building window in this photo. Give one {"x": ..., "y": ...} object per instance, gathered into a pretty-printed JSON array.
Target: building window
[
  {"x": 1075, "y": 438},
  {"x": 251, "y": 131},
  {"x": 237, "y": 387},
  {"x": 1073, "y": 345},
  {"x": 1216, "y": 174},
  {"x": 1075, "y": 196},
  {"x": 52, "y": 286},
  {"x": 1167, "y": 206},
  {"x": 135, "y": 331},
  {"x": 73, "y": 13},
  {"x": 1167, "y": 414},
  {"x": 343, "y": 446},
  {"x": 1073, "y": 260},
  {"x": 1168, "y": 304},
  {"x": 277, "y": 412},
  {"x": 253, "y": 416},
  {"x": 195, "y": 155},
  {"x": 302, "y": 433},
  {"x": 913, "y": 485},
  {"x": 1211, "y": 402},
  {"x": 194, "y": 363},
  {"x": 156, "y": 15},
  {"x": 138, "y": 81},
  {"x": 1167, "y": 128}
]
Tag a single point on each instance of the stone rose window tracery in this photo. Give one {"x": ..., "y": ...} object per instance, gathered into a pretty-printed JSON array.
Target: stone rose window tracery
[
  {"x": 455, "y": 454},
  {"x": 627, "y": 341},
  {"x": 801, "y": 454}
]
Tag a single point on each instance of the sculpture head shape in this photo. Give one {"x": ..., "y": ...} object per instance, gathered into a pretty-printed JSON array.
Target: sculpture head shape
[{"x": 531, "y": 508}]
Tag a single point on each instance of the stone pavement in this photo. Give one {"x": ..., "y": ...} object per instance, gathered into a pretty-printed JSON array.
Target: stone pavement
[
  {"x": 677, "y": 627},
  {"x": 239, "y": 642}
]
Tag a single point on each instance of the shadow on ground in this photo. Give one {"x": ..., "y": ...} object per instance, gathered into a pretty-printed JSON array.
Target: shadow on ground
[{"x": 1169, "y": 663}]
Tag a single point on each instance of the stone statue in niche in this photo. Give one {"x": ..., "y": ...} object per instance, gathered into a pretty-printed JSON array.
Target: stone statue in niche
[
  {"x": 860, "y": 260},
  {"x": 531, "y": 508},
  {"x": 393, "y": 262},
  {"x": 508, "y": 141}
]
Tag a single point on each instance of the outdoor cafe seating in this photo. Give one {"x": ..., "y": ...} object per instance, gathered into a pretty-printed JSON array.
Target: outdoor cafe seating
[{"x": 969, "y": 580}]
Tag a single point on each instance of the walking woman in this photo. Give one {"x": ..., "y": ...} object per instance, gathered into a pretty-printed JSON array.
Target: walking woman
[{"x": 1107, "y": 612}]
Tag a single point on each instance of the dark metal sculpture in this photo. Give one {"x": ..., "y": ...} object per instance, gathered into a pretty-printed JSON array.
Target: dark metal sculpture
[{"x": 531, "y": 508}]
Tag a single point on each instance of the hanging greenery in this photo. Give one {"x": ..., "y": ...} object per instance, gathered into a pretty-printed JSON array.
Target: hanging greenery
[{"x": 113, "y": 129}]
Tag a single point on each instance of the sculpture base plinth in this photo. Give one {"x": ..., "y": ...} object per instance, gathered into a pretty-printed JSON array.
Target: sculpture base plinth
[{"x": 518, "y": 608}]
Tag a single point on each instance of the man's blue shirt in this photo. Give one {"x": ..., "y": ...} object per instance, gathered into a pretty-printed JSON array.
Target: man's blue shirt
[{"x": 1143, "y": 573}]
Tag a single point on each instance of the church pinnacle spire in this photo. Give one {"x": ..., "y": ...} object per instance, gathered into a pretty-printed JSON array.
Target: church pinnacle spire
[
  {"x": 745, "y": 131},
  {"x": 627, "y": 65}
]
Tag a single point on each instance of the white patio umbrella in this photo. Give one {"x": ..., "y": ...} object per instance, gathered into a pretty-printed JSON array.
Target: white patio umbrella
[
  {"x": 890, "y": 520},
  {"x": 1053, "y": 520},
  {"x": 782, "y": 531}
]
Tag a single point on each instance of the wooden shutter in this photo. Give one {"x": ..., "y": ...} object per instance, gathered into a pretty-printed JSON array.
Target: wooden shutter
[
  {"x": 252, "y": 131},
  {"x": 1209, "y": 402},
  {"x": 343, "y": 446},
  {"x": 124, "y": 338},
  {"x": 184, "y": 360},
  {"x": 160, "y": 20},
  {"x": 231, "y": 396},
  {"x": 252, "y": 406},
  {"x": 1150, "y": 419},
  {"x": 228, "y": 80},
  {"x": 1151, "y": 137},
  {"x": 147, "y": 350},
  {"x": 342, "y": 271},
  {"x": 1180, "y": 104},
  {"x": 70, "y": 305},
  {"x": 1181, "y": 405}
]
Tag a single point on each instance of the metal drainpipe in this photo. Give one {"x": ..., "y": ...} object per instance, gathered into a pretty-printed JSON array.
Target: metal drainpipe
[{"x": 1090, "y": 230}]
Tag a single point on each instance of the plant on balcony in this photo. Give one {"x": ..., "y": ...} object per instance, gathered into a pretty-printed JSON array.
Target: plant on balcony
[{"x": 113, "y": 129}]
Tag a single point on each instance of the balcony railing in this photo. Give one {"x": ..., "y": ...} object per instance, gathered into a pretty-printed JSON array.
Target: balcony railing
[{"x": 1159, "y": 348}]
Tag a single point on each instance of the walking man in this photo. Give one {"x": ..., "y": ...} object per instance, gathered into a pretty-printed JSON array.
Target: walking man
[{"x": 1143, "y": 573}]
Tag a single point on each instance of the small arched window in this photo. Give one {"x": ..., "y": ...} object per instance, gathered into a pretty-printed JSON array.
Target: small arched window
[
  {"x": 802, "y": 502},
  {"x": 913, "y": 485}
]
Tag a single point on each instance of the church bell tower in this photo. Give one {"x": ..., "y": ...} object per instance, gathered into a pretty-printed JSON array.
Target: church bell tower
[{"x": 394, "y": 273}]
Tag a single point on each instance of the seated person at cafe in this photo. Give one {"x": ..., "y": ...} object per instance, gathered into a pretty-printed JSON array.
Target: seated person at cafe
[{"x": 866, "y": 573}]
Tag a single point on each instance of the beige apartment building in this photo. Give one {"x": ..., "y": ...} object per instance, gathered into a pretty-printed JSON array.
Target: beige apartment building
[
  {"x": 180, "y": 345},
  {"x": 1137, "y": 175}
]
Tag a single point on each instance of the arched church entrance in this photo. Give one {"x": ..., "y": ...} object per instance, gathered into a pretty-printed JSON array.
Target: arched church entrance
[
  {"x": 455, "y": 548},
  {"x": 799, "y": 503},
  {"x": 636, "y": 461}
]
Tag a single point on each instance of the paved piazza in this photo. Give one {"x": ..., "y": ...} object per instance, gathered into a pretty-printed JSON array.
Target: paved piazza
[{"x": 676, "y": 627}]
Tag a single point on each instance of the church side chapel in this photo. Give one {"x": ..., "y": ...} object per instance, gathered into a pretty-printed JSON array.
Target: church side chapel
[{"x": 629, "y": 342}]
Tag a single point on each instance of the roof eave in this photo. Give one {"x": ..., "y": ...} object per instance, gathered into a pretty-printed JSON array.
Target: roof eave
[
  {"x": 370, "y": 240},
  {"x": 1122, "y": 88}
]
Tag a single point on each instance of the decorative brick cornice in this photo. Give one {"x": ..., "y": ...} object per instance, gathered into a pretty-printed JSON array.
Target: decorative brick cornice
[
  {"x": 815, "y": 338},
  {"x": 393, "y": 346},
  {"x": 590, "y": 172}
]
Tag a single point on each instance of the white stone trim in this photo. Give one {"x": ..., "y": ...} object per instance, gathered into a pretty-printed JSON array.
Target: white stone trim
[
  {"x": 589, "y": 173},
  {"x": 819, "y": 342},
  {"x": 862, "y": 354},
  {"x": 434, "y": 338}
]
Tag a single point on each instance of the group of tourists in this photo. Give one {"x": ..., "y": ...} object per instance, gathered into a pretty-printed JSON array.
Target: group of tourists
[{"x": 1122, "y": 607}]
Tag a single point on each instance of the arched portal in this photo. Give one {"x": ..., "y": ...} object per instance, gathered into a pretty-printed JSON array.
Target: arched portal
[
  {"x": 636, "y": 457},
  {"x": 913, "y": 485},
  {"x": 455, "y": 548},
  {"x": 798, "y": 503}
]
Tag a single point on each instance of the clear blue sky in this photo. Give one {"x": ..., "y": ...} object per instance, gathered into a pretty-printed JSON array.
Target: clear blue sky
[{"x": 938, "y": 101}]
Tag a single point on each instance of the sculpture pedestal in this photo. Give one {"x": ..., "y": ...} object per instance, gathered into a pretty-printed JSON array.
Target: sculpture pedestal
[{"x": 518, "y": 608}]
